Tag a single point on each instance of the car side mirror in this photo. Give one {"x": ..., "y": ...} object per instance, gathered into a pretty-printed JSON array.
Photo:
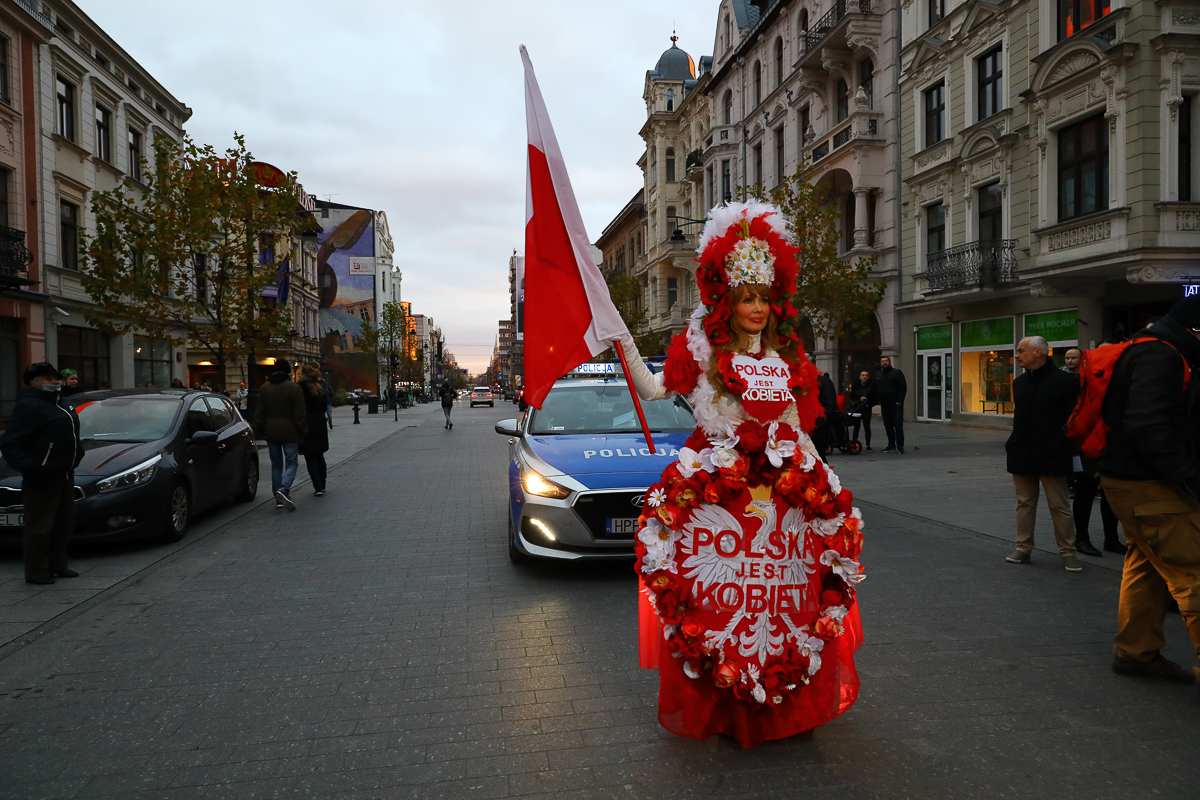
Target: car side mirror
[
  {"x": 201, "y": 437},
  {"x": 507, "y": 427}
]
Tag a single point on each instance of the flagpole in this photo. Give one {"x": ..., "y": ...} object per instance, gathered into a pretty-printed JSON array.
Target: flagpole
[{"x": 637, "y": 403}]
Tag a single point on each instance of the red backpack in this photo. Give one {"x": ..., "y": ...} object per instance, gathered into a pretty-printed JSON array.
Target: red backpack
[{"x": 1086, "y": 424}]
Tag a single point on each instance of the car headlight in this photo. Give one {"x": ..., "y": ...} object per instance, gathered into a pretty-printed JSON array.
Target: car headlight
[
  {"x": 134, "y": 476},
  {"x": 536, "y": 484}
]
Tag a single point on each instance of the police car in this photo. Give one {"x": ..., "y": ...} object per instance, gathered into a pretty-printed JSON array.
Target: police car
[{"x": 579, "y": 466}]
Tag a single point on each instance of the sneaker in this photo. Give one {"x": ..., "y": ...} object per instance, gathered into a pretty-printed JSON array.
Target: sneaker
[
  {"x": 1157, "y": 667},
  {"x": 1017, "y": 557},
  {"x": 283, "y": 501},
  {"x": 320, "y": 493},
  {"x": 900, "y": 450},
  {"x": 888, "y": 450},
  {"x": 1071, "y": 564},
  {"x": 1088, "y": 549},
  {"x": 868, "y": 447}
]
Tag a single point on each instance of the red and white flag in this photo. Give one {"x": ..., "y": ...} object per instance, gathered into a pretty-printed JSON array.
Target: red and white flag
[{"x": 569, "y": 316}]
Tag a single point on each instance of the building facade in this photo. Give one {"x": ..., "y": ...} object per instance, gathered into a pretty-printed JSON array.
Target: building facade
[
  {"x": 98, "y": 115},
  {"x": 1050, "y": 185}
]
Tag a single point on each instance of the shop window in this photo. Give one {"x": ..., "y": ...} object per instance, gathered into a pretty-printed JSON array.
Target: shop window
[
  {"x": 68, "y": 246},
  {"x": 935, "y": 114},
  {"x": 1083, "y": 168},
  {"x": 1075, "y": 15},
  {"x": 10, "y": 364},
  {"x": 85, "y": 351},
  {"x": 151, "y": 362},
  {"x": 989, "y": 72},
  {"x": 843, "y": 100},
  {"x": 991, "y": 214},
  {"x": 986, "y": 366}
]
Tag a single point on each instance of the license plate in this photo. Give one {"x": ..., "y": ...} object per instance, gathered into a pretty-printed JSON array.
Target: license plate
[
  {"x": 622, "y": 526},
  {"x": 12, "y": 520}
]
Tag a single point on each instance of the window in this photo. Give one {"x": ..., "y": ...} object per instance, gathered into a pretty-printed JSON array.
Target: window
[
  {"x": 758, "y": 165},
  {"x": 727, "y": 107},
  {"x": 1075, "y": 15},
  {"x": 672, "y": 219},
  {"x": 200, "y": 269},
  {"x": 222, "y": 411},
  {"x": 85, "y": 351},
  {"x": 670, "y": 99},
  {"x": 935, "y": 229},
  {"x": 991, "y": 216},
  {"x": 778, "y": 61},
  {"x": 711, "y": 186},
  {"x": 757, "y": 83},
  {"x": 780, "y": 165},
  {"x": 849, "y": 221},
  {"x": 726, "y": 187},
  {"x": 1083, "y": 168},
  {"x": 266, "y": 249},
  {"x": 670, "y": 166},
  {"x": 197, "y": 418},
  {"x": 989, "y": 69},
  {"x": 871, "y": 219},
  {"x": 151, "y": 362},
  {"x": 10, "y": 364},
  {"x": 1185, "y": 149},
  {"x": 5, "y": 183},
  {"x": 103, "y": 134},
  {"x": 672, "y": 292},
  {"x": 803, "y": 23},
  {"x": 68, "y": 246},
  {"x": 935, "y": 114},
  {"x": 728, "y": 32},
  {"x": 66, "y": 109},
  {"x": 866, "y": 80},
  {"x": 805, "y": 124},
  {"x": 843, "y": 100},
  {"x": 135, "y": 154},
  {"x": 937, "y": 10},
  {"x": 4, "y": 53}
]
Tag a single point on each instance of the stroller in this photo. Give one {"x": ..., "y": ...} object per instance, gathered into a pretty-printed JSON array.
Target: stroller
[{"x": 835, "y": 432}]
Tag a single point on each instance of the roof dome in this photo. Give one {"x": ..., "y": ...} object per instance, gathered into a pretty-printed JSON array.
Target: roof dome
[{"x": 675, "y": 64}]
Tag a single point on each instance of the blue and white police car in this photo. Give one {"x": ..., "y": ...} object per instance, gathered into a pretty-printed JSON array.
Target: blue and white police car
[{"x": 579, "y": 466}]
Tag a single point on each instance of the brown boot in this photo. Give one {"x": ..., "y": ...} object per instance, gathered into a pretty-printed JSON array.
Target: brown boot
[{"x": 1157, "y": 667}]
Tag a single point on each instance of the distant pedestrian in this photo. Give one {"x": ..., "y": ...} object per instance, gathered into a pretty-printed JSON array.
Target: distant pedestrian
[
  {"x": 1071, "y": 360},
  {"x": 1039, "y": 450},
  {"x": 861, "y": 398},
  {"x": 177, "y": 383},
  {"x": 70, "y": 382},
  {"x": 316, "y": 440},
  {"x": 242, "y": 394},
  {"x": 890, "y": 391},
  {"x": 1087, "y": 485},
  {"x": 42, "y": 443},
  {"x": 825, "y": 435},
  {"x": 282, "y": 417},
  {"x": 1150, "y": 471},
  {"x": 448, "y": 396}
]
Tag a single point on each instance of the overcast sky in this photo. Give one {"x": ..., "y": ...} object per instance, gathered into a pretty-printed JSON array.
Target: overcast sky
[{"x": 417, "y": 109}]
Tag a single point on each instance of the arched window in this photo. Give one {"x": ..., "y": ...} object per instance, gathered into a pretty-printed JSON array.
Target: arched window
[
  {"x": 670, "y": 99},
  {"x": 843, "y": 100},
  {"x": 757, "y": 83},
  {"x": 670, "y": 165},
  {"x": 653, "y": 157},
  {"x": 727, "y": 108},
  {"x": 803, "y": 23},
  {"x": 779, "y": 61},
  {"x": 866, "y": 80}
]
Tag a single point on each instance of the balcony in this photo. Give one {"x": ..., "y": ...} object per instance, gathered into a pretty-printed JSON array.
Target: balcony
[
  {"x": 860, "y": 125},
  {"x": 833, "y": 19},
  {"x": 15, "y": 258},
  {"x": 983, "y": 263}
]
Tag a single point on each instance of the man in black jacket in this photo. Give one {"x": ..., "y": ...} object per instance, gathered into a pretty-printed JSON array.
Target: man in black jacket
[
  {"x": 890, "y": 390},
  {"x": 1150, "y": 472},
  {"x": 42, "y": 441},
  {"x": 1039, "y": 450}
]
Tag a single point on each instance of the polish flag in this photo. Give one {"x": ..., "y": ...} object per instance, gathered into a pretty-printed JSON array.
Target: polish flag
[{"x": 569, "y": 316}]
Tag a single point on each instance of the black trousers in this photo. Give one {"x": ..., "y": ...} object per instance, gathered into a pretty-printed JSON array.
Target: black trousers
[
  {"x": 865, "y": 421},
  {"x": 1086, "y": 487},
  {"x": 49, "y": 520},
  {"x": 316, "y": 470},
  {"x": 893, "y": 423}
]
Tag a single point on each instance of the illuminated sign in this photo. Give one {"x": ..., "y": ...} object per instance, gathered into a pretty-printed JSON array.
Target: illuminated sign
[{"x": 1191, "y": 289}]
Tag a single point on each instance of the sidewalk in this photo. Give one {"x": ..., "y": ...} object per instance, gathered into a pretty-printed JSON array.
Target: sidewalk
[{"x": 24, "y": 608}]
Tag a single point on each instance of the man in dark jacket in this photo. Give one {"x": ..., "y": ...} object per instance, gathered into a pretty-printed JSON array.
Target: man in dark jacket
[
  {"x": 282, "y": 418},
  {"x": 890, "y": 390},
  {"x": 1150, "y": 472},
  {"x": 42, "y": 441},
  {"x": 1039, "y": 450},
  {"x": 825, "y": 435}
]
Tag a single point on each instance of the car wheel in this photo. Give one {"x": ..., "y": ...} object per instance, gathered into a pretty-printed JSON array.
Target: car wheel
[
  {"x": 514, "y": 555},
  {"x": 179, "y": 513},
  {"x": 249, "y": 481}
]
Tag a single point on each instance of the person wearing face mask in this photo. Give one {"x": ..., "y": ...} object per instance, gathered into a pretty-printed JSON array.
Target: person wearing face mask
[{"x": 42, "y": 442}]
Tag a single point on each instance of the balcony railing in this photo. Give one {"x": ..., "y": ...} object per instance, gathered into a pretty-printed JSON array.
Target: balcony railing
[
  {"x": 15, "y": 257},
  {"x": 860, "y": 125},
  {"x": 825, "y": 25},
  {"x": 981, "y": 263}
]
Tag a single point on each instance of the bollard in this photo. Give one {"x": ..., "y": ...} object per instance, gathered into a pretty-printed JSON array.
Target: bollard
[{"x": 356, "y": 422}]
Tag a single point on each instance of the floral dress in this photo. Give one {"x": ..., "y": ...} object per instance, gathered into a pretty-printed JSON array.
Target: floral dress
[{"x": 747, "y": 552}]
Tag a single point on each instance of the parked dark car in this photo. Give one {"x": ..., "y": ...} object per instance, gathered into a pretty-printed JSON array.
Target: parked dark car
[{"x": 153, "y": 458}]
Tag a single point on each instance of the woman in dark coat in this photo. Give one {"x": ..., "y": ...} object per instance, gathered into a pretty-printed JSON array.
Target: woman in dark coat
[
  {"x": 448, "y": 395},
  {"x": 862, "y": 398},
  {"x": 316, "y": 441}
]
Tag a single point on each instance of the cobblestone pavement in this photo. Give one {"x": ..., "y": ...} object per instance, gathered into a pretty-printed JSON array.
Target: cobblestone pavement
[{"x": 378, "y": 644}]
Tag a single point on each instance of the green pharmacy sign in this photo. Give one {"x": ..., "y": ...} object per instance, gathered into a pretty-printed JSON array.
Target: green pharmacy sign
[
  {"x": 1055, "y": 326},
  {"x": 934, "y": 337},
  {"x": 986, "y": 333}
]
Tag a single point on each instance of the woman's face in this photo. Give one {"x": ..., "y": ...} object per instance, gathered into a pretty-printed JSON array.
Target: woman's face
[
  {"x": 751, "y": 313},
  {"x": 864, "y": 377}
]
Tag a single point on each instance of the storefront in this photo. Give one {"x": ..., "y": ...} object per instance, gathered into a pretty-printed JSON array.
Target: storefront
[
  {"x": 935, "y": 372},
  {"x": 986, "y": 365}
]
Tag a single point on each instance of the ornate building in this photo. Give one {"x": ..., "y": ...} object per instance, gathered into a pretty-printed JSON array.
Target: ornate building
[{"x": 1050, "y": 183}]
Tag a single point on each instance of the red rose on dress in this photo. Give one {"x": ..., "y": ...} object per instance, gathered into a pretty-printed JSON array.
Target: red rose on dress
[
  {"x": 681, "y": 371},
  {"x": 790, "y": 480},
  {"x": 662, "y": 581},
  {"x": 684, "y": 495},
  {"x": 753, "y": 437},
  {"x": 827, "y": 627},
  {"x": 673, "y": 604},
  {"x": 727, "y": 674},
  {"x": 669, "y": 514},
  {"x": 692, "y": 629},
  {"x": 737, "y": 472},
  {"x": 712, "y": 492},
  {"x": 786, "y": 433},
  {"x": 775, "y": 679}
]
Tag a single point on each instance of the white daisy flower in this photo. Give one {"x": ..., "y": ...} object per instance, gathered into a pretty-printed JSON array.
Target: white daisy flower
[{"x": 657, "y": 497}]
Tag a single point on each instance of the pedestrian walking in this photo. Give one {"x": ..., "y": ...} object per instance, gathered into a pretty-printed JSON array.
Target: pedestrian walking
[
  {"x": 242, "y": 394},
  {"x": 448, "y": 396},
  {"x": 328, "y": 402},
  {"x": 282, "y": 417},
  {"x": 316, "y": 440},
  {"x": 1087, "y": 486},
  {"x": 1039, "y": 451},
  {"x": 42, "y": 442},
  {"x": 825, "y": 435},
  {"x": 890, "y": 391},
  {"x": 862, "y": 397},
  {"x": 177, "y": 383},
  {"x": 70, "y": 382},
  {"x": 1150, "y": 471}
]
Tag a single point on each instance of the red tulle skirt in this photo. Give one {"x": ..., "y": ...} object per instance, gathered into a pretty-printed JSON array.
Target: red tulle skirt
[{"x": 698, "y": 709}]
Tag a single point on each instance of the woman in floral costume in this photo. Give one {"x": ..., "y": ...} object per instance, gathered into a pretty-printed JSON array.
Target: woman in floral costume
[{"x": 748, "y": 546}]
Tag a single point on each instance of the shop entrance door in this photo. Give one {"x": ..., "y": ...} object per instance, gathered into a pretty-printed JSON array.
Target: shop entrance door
[{"x": 934, "y": 392}]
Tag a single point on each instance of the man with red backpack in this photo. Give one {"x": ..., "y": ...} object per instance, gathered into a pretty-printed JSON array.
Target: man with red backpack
[{"x": 1150, "y": 471}]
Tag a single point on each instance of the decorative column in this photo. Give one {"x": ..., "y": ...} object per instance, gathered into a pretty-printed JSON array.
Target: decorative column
[{"x": 861, "y": 232}]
